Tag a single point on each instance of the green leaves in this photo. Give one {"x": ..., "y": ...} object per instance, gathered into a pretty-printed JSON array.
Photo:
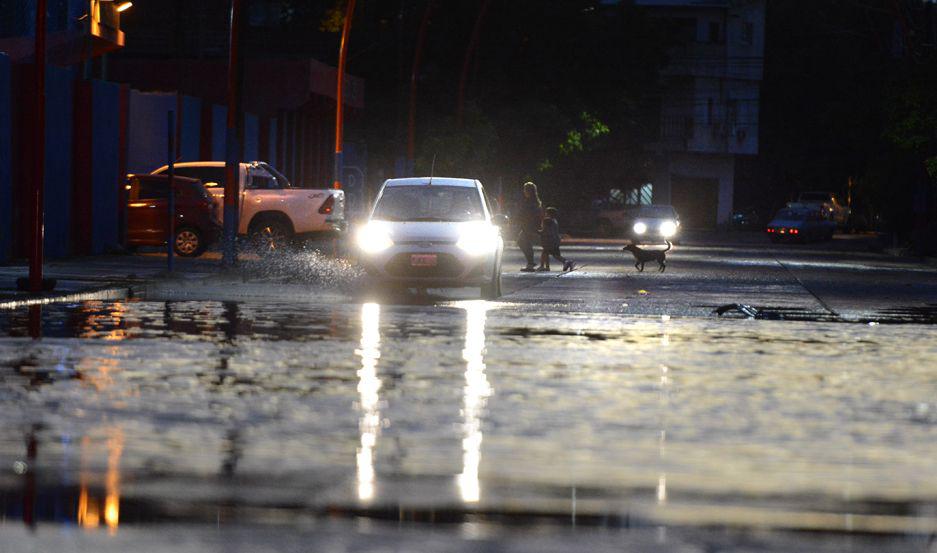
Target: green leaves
[{"x": 588, "y": 131}]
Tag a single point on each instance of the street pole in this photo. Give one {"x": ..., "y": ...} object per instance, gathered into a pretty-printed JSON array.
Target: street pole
[
  {"x": 414, "y": 75},
  {"x": 469, "y": 51},
  {"x": 232, "y": 144},
  {"x": 38, "y": 238},
  {"x": 171, "y": 208},
  {"x": 340, "y": 80}
]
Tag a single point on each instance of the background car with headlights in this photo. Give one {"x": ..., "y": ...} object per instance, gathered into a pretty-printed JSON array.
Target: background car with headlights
[
  {"x": 433, "y": 233},
  {"x": 655, "y": 223}
]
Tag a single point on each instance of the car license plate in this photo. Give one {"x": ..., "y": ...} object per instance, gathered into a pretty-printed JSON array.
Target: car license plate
[{"x": 423, "y": 260}]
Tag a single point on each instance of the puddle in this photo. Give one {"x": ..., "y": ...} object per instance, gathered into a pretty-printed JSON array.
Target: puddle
[{"x": 467, "y": 411}]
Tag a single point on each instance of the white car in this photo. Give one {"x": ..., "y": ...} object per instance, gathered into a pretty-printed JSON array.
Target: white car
[
  {"x": 433, "y": 233},
  {"x": 654, "y": 223},
  {"x": 272, "y": 211}
]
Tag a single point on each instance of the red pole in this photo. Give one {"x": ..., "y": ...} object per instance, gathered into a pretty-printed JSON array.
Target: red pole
[
  {"x": 414, "y": 74},
  {"x": 35, "y": 258},
  {"x": 232, "y": 144},
  {"x": 469, "y": 50},
  {"x": 340, "y": 79}
]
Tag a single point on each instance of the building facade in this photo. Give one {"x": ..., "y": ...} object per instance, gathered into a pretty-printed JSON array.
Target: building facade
[{"x": 710, "y": 103}]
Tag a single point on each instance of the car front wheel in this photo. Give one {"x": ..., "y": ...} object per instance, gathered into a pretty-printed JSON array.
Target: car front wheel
[
  {"x": 492, "y": 290},
  {"x": 188, "y": 242}
]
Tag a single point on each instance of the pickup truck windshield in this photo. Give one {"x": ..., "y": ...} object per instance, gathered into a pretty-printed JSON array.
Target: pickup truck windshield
[{"x": 429, "y": 203}]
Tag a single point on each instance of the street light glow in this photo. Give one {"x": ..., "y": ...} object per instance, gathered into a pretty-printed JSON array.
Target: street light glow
[{"x": 124, "y": 6}]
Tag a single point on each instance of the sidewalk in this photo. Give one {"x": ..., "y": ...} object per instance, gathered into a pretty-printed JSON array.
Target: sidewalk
[{"x": 99, "y": 277}]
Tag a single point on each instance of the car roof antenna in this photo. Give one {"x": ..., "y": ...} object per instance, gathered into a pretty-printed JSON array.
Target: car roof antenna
[{"x": 432, "y": 169}]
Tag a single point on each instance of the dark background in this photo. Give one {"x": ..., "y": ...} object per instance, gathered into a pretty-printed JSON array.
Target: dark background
[{"x": 565, "y": 93}]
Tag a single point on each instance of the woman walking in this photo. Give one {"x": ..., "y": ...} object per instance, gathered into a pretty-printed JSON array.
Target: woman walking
[{"x": 529, "y": 217}]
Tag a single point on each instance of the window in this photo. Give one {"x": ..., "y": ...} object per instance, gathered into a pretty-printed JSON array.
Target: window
[
  {"x": 715, "y": 32},
  {"x": 747, "y": 35},
  {"x": 152, "y": 189},
  {"x": 210, "y": 176}
]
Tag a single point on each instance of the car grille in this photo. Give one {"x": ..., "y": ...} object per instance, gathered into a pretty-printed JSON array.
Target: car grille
[{"x": 447, "y": 266}]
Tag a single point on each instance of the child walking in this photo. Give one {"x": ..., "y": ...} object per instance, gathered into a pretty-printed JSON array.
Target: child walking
[{"x": 550, "y": 242}]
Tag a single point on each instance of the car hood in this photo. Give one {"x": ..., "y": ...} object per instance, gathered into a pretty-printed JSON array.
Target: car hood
[{"x": 419, "y": 231}]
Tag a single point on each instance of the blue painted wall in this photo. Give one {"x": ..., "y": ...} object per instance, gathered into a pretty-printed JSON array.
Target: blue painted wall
[
  {"x": 272, "y": 141},
  {"x": 218, "y": 132},
  {"x": 191, "y": 127},
  {"x": 105, "y": 177},
  {"x": 58, "y": 177},
  {"x": 6, "y": 184},
  {"x": 147, "y": 134},
  {"x": 251, "y": 137}
]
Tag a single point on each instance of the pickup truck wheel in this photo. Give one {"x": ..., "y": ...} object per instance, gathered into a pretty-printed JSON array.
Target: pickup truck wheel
[
  {"x": 269, "y": 237},
  {"x": 188, "y": 242}
]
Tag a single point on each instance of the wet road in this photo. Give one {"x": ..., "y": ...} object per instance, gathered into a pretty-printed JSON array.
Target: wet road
[{"x": 599, "y": 400}]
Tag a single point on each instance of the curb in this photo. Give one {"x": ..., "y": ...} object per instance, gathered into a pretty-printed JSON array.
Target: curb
[{"x": 106, "y": 293}]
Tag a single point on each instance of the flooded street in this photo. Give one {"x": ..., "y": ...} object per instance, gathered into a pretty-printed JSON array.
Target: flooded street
[{"x": 142, "y": 411}]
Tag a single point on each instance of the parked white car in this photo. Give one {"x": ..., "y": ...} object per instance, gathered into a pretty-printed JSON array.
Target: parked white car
[
  {"x": 272, "y": 211},
  {"x": 433, "y": 233}
]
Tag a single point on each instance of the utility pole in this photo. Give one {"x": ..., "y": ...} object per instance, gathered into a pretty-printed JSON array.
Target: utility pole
[
  {"x": 469, "y": 52},
  {"x": 232, "y": 144},
  {"x": 414, "y": 75},
  {"x": 38, "y": 227},
  {"x": 340, "y": 79}
]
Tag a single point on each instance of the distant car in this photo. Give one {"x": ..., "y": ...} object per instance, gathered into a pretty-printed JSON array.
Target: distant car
[
  {"x": 829, "y": 204},
  {"x": 272, "y": 211},
  {"x": 197, "y": 219},
  {"x": 654, "y": 223},
  {"x": 745, "y": 219},
  {"x": 802, "y": 225},
  {"x": 433, "y": 233}
]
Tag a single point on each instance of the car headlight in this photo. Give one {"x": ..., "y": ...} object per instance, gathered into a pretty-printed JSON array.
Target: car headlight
[
  {"x": 668, "y": 229},
  {"x": 640, "y": 228},
  {"x": 477, "y": 239},
  {"x": 373, "y": 237}
]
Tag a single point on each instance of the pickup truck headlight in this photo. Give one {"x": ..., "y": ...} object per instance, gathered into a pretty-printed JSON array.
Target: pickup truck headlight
[
  {"x": 668, "y": 229},
  {"x": 477, "y": 239},
  {"x": 639, "y": 228},
  {"x": 373, "y": 237}
]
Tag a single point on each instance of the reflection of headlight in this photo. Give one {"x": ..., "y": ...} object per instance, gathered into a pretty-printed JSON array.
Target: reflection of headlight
[
  {"x": 640, "y": 228},
  {"x": 477, "y": 239},
  {"x": 373, "y": 237},
  {"x": 668, "y": 229}
]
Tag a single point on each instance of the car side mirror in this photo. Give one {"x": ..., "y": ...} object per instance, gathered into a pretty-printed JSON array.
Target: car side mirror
[{"x": 500, "y": 220}]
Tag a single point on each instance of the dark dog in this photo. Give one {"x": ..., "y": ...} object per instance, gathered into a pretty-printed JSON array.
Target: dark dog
[{"x": 643, "y": 256}]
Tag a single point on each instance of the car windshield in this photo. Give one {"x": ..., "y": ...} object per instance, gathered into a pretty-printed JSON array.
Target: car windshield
[
  {"x": 791, "y": 215},
  {"x": 429, "y": 203},
  {"x": 655, "y": 212}
]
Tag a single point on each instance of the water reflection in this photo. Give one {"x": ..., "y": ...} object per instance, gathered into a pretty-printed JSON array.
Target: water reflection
[
  {"x": 662, "y": 440},
  {"x": 475, "y": 394},
  {"x": 90, "y": 508},
  {"x": 369, "y": 386}
]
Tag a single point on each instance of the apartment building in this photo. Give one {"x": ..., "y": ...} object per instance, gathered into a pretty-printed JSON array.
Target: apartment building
[{"x": 710, "y": 103}]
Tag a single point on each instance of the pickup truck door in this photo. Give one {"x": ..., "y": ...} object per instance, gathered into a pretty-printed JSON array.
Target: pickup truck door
[{"x": 261, "y": 192}]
